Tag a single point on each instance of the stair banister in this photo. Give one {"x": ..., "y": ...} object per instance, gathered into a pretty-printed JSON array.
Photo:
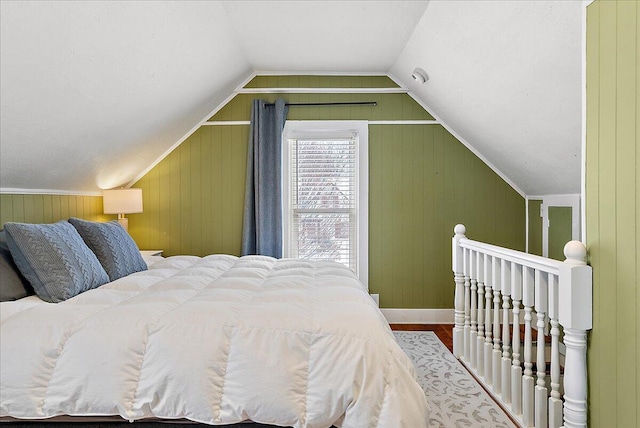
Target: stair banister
[{"x": 561, "y": 295}]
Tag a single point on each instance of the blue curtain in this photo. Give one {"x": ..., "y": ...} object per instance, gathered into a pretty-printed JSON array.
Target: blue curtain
[{"x": 262, "y": 222}]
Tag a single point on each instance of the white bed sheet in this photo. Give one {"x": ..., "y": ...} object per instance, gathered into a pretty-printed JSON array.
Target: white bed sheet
[{"x": 216, "y": 340}]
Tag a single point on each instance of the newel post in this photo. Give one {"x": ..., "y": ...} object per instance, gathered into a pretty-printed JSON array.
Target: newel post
[
  {"x": 458, "y": 277},
  {"x": 575, "y": 315}
]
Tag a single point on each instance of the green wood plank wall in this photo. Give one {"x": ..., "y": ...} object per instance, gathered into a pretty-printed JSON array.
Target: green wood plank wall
[
  {"x": 613, "y": 211},
  {"x": 390, "y": 107},
  {"x": 535, "y": 227},
  {"x": 559, "y": 231},
  {"x": 310, "y": 81},
  {"x": 193, "y": 199},
  {"x": 50, "y": 208},
  {"x": 422, "y": 181}
]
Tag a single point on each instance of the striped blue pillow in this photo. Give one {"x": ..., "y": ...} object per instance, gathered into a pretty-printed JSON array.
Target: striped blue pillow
[
  {"x": 54, "y": 259},
  {"x": 117, "y": 252}
]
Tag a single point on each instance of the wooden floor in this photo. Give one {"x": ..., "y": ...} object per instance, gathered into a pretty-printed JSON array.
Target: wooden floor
[{"x": 443, "y": 331}]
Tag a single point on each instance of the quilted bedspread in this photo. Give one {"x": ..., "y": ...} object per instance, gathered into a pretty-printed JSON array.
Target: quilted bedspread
[{"x": 216, "y": 340}]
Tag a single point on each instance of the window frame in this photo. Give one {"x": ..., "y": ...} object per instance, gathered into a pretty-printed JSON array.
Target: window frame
[{"x": 309, "y": 129}]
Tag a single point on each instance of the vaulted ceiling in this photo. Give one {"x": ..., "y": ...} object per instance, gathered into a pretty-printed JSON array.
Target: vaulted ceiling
[{"x": 92, "y": 93}]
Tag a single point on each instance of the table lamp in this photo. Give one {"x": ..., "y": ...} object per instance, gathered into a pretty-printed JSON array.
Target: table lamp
[{"x": 121, "y": 202}]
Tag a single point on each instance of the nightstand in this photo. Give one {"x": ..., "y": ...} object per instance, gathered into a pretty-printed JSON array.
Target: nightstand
[
  {"x": 150, "y": 253},
  {"x": 151, "y": 256}
]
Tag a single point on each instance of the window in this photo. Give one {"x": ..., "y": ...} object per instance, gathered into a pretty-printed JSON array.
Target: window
[{"x": 325, "y": 192}]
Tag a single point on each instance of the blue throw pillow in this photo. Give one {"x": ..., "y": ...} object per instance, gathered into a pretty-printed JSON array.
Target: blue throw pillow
[
  {"x": 54, "y": 259},
  {"x": 13, "y": 285},
  {"x": 114, "y": 247}
]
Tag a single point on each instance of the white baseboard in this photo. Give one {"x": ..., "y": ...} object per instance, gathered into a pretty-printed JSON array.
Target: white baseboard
[{"x": 418, "y": 316}]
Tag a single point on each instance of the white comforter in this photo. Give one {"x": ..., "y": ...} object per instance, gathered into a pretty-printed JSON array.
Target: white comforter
[{"x": 217, "y": 340}]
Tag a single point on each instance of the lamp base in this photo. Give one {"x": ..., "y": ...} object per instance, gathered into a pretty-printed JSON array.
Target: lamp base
[{"x": 124, "y": 222}]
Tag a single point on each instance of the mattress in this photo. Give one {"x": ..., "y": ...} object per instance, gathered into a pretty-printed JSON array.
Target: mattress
[{"x": 216, "y": 340}]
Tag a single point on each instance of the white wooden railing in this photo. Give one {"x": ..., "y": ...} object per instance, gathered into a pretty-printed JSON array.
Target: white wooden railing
[{"x": 494, "y": 286}]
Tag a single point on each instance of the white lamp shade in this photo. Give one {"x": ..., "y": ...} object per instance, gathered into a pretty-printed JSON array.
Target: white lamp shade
[{"x": 122, "y": 201}]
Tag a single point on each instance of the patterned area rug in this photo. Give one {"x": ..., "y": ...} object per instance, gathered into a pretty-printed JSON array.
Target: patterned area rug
[{"x": 455, "y": 397}]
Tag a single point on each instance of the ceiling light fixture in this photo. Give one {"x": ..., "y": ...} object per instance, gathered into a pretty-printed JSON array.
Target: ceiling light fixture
[{"x": 420, "y": 75}]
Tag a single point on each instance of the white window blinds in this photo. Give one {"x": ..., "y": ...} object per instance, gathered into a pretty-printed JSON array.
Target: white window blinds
[{"x": 324, "y": 199}]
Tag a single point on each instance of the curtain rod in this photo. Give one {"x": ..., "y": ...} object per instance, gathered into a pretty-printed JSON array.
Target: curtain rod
[{"x": 355, "y": 103}]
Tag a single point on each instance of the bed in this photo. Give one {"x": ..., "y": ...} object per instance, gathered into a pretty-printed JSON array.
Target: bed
[{"x": 216, "y": 340}]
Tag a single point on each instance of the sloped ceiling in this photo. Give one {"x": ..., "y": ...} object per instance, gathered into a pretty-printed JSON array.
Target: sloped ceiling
[
  {"x": 92, "y": 93},
  {"x": 506, "y": 77},
  {"x": 333, "y": 36}
]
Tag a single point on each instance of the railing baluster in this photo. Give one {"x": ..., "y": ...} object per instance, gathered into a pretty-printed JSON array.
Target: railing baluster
[
  {"x": 488, "y": 294},
  {"x": 496, "y": 354},
  {"x": 506, "y": 332},
  {"x": 516, "y": 370},
  {"x": 541, "y": 416},
  {"x": 528, "y": 384},
  {"x": 467, "y": 305},
  {"x": 555, "y": 401},
  {"x": 473, "y": 335},
  {"x": 480, "y": 340}
]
